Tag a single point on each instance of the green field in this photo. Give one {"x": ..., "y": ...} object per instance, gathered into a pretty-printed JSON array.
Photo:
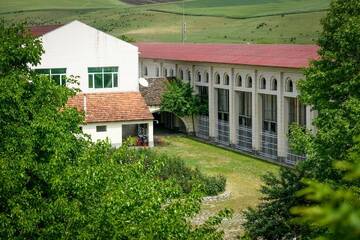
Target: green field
[
  {"x": 278, "y": 23},
  {"x": 243, "y": 8},
  {"x": 24, "y": 5}
]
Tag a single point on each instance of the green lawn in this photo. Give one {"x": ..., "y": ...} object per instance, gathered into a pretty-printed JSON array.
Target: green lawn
[{"x": 243, "y": 173}]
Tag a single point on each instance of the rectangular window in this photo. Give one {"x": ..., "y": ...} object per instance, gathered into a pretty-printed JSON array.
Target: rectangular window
[
  {"x": 103, "y": 77},
  {"x": 269, "y": 105},
  {"x": 223, "y": 104},
  {"x": 101, "y": 128},
  {"x": 245, "y": 108},
  {"x": 58, "y": 75},
  {"x": 297, "y": 112}
]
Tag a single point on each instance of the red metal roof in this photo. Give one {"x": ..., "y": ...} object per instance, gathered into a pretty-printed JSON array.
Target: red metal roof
[
  {"x": 38, "y": 31},
  {"x": 111, "y": 107},
  {"x": 271, "y": 55}
]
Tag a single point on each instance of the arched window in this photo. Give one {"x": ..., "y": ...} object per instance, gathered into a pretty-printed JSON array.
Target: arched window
[
  {"x": 289, "y": 85},
  {"x": 262, "y": 83},
  {"x": 198, "y": 77},
  {"x": 226, "y": 79},
  {"x": 181, "y": 73},
  {"x": 207, "y": 78},
  {"x": 145, "y": 71},
  {"x": 157, "y": 71},
  {"x": 189, "y": 75},
  {"x": 217, "y": 78},
  {"x": 165, "y": 72},
  {"x": 171, "y": 72},
  {"x": 239, "y": 81},
  {"x": 249, "y": 82},
  {"x": 274, "y": 84}
]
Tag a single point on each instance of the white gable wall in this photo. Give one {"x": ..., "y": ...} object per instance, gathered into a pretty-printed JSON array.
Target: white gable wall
[{"x": 77, "y": 46}]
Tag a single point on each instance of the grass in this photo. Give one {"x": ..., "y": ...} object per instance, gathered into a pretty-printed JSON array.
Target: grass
[
  {"x": 221, "y": 23},
  {"x": 243, "y": 173},
  {"x": 243, "y": 8},
  {"x": 25, "y": 5},
  {"x": 154, "y": 26}
]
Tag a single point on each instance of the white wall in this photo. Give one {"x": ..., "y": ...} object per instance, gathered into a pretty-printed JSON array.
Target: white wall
[
  {"x": 114, "y": 131},
  {"x": 76, "y": 46}
]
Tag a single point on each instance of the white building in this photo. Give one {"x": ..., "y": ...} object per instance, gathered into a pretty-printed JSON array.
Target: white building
[
  {"x": 250, "y": 89},
  {"x": 107, "y": 70}
]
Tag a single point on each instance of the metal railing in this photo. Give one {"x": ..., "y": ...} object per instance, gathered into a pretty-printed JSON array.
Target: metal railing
[
  {"x": 293, "y": 159},
  {"x": 244, "y": 139},
  {"x": 203, "y": 127},
  {"x": 223, "y": 132},
  {"x": 269, "y": 145}
]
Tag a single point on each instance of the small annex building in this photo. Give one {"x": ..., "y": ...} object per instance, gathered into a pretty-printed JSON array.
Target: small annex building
[{"x": 108, "y": 76}]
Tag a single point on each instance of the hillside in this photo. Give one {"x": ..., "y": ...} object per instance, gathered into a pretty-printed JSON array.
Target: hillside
[
  {"x": 24, "y": 5},
  {"x": 231, "y": 21},
  {"x": 243, "y": 8}
]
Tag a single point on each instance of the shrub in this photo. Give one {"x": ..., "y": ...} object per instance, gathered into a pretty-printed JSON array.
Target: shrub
[{"x": 188, "y": 178}]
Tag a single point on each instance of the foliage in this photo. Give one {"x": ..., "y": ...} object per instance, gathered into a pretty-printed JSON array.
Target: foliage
[
  {"x": 337, "y": 206},
  {"x": 127, "y": 38},
  {"x": 179, "y": 98},
  {"x": 188, "y": 178},
  {"x": 331, "y": 88},
  {"x": 17, "y": 49},
  {"x": 272, "y": 218},
  {"x": 57, "y": 184}
]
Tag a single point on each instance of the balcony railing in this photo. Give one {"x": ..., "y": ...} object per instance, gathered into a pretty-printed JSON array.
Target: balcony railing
[
  {"x": 203, "y": 127},
  {"x": 223, "y": 132},
  {"x": 269, "y": 145},
  {"x": 244, "y": 139}
]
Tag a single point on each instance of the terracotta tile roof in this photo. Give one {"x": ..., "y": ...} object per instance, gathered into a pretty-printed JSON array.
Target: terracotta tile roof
[
  {"x": 152, "y": 94},
  {"x": 271, "y": 55},
  {"x": 38, "y": 31},
  {"x": 112, "y": 107}
]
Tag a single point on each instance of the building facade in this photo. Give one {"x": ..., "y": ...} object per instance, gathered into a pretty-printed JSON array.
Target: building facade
[
  {"x": 251, "y": 91},
  {"x": 106, "y": 69}
]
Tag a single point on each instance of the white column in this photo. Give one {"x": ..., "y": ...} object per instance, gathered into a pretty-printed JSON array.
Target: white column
[
  {"x": 232, "y": 114},
  {"x": 256, "y": 120},
  {"x": 151, "y": 133},
  {"x": 192, "y": 82},
  {"x": 286, "y": 122},
  {"x": 281, "y": 141},
  {"x": 212, "y": 109}
]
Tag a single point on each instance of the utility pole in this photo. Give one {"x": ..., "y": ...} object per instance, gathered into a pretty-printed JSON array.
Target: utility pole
[{"x": 183, "y": 30}]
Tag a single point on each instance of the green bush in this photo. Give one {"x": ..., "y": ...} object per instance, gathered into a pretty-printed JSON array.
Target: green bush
[{"x": 188, "y": 178}]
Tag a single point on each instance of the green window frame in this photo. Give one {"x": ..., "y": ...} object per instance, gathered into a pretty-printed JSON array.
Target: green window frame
[
  {"x": 103, "y": 77},
  {"x": 56, "y": 74}
]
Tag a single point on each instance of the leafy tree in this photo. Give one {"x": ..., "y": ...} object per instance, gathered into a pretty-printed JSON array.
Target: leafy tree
[
  {"x": 331, "y": 88},
  {"x": 179, "y": 98},
  {"x": 56, "y": 184},
  {"x": 337, "y": 207}
]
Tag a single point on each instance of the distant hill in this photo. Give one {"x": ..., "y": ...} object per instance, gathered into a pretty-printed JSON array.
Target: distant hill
[
  {"x": 229, "y": 21},
  {"x": 24, "y": 5}
]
